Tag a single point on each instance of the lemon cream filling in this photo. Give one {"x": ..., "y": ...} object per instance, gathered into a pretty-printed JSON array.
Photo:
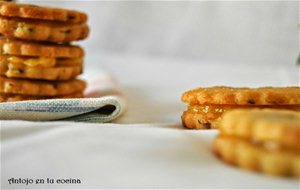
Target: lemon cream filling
[
  {"x": 33, "y": 62},
  {"x": 220, "y": 109},
  {"x": 16, "y": 65}
]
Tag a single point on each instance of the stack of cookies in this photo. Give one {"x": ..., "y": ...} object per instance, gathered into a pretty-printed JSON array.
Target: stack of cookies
[
  {"x": 265, "y": 140},
  {"x": 37, "y": 60},
  {"x": 207, "y": 105}
]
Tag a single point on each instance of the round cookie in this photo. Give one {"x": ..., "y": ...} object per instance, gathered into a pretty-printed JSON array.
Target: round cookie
[
  {"x": 43, "y": 13},
  {"x": 263, "y": 126},
  {"x": 244, "y": 154},
  {"x": 40, "y": 68},
  {"x": 243, "y": 96},
  {"x": 37, "y": 30},
  {"x": 200, "y": 117},
  {"x": 209, "y": 116},
  {"x": 26, "y": 48},
  {"x": 40, "y": 88},
  {"x": 18, "y": 97}
]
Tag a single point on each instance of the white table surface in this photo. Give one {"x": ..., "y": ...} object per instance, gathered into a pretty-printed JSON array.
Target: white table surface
[{"x": 145, "y": 148}]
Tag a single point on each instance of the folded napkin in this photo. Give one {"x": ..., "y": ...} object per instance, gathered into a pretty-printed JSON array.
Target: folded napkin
[{"x": 103, "y": 102}]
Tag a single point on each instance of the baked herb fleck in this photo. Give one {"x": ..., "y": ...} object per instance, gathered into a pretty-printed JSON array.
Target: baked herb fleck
[
  {"x": 68, "y": 31},
  {"x": 30, "y": 30},
  {"x": 251, "y": 101},
  {"x": 55, "y": 85},
  {"x": 71, "y": 17},
  {"x": 206, "y": 125}
]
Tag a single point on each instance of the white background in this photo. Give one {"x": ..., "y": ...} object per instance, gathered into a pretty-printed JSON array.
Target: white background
[{"x": 245, "y": 32}]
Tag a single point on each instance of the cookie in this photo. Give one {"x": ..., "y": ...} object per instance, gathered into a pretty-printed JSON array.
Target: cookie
[
  {"x": 18, "y": 97},
  {"x": 40, "y": 88},
  {"x": 45, "y": 62},
  {"x": 42, "y": 13},
  {"x": 243, "y": 96},
  {"x": 26, "y": 48},
  {"x": 40, "y": 68},
  {"x": 262, "y": 126},
  {"x": 207, "y": 105},
  {"x": 242, "y": 153},
  {"x": 209, "y": 116},
  {"x": 201, "y": 117},
  {"x": 37, "y": 30}
]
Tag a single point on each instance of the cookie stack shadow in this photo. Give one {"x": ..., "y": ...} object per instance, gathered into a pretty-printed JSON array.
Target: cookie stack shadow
[{"x": 37, "y": 59}]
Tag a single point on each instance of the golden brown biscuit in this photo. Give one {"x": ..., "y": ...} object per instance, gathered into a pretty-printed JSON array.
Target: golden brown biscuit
[
  {"x": 40, "y": 88},
  {"x": 242, "y": 96},
  {"x": 280, "y": 127},
  {"x": 209, "y": 116},
  {"x": 40, "y": 68},
  {"x": 244, "y": 154},
  {"x": 42, "y": 13},
  {"x": 207, "y": 105},
  {"x": 26, "y": 48},
  {"x": 19, "y": 97},
  {"x": 200, "y": 117},
  {"x": 37, "y": 30}
]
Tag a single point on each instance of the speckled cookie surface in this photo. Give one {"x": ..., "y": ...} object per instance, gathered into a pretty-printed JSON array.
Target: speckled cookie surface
[
  {"x": 40, "y": 88},
  {"x": 42, "y": 30},
  {"x": 19, "y": 97},
  {"x": 243, "y": 96},
  {"x": 26, "y": 48},
  {"x": 264, "y": 125},
  {"x": 39, "y": 12},
  {"x": 209, "y": 116},
  {"x": 40, "y": 68},
  {"x": 244, "y": 154}
]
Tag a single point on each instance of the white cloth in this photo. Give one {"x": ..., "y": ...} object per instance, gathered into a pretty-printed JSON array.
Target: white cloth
[
  {"x": 146, "y": 147},
  {"x": 120, "y": 156}
]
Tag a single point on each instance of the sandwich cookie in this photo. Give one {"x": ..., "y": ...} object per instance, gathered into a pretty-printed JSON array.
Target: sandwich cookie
[
  {"x": 207, "y": 105},
  {"x": 264, "y": 140}
]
